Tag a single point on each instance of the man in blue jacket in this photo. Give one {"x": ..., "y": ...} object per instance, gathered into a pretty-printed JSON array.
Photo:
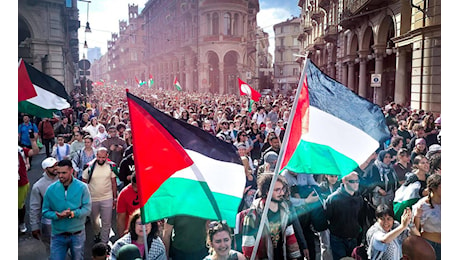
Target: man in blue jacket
[{"x": 67, "y": 203}]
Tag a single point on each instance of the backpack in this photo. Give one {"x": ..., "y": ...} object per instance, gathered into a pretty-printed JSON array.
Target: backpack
[{"x": 92, "y": 164}]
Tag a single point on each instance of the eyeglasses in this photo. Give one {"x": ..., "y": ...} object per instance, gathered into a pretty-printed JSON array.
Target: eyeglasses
[
  {"x": 353, "y": 181},
  {"x": 279, "y": 189}
]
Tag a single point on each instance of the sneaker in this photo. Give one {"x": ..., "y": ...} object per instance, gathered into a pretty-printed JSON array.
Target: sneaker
[{"x": 22, "y": 227}]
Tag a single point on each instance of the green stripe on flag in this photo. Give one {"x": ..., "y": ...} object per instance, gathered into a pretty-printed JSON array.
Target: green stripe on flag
[
  {"x": 32, "y": 109},
  {"x": 194, "y": 202},
  {"x": 315, "y": 158}
]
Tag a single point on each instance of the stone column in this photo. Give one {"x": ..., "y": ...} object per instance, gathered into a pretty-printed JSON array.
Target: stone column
[
  {"x": 188, "y": 74},
  {"x": 351, "y": 75},
  {"x": 401, "y": 79},
  {"x": 379, "y": 70},
  {"x": 344, "y": 74},
  {"x": 363, "y": 73}
]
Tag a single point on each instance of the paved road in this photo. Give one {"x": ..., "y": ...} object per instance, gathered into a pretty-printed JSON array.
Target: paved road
[{"x": 32, "y": 249}]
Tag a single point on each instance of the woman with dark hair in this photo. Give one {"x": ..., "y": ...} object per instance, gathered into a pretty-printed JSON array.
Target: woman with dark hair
[
  {"x": 385, "y": 237},
  {"x": 135, "y": 236},
  {"x": 381, "y": 181},
  {"x": 427, "y": 217},
  {"x": 219, "y": 242}
]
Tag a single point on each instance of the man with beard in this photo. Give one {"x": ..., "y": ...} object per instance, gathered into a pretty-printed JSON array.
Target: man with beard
[
  {"x": 100, "y": 177},
  {"x": 41, "y": 227},
  {"x": 67, "y": 203},
  {"x": 278, "y": 239}
]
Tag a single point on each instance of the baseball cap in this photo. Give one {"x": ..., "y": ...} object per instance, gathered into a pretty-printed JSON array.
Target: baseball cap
[{"x": 48, "y": 162}]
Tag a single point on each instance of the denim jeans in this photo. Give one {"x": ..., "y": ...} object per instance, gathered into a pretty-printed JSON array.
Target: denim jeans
[
  {"x": 436, "y": 247},
  {"x": 342, "y": 247},
  {"x": 61, "y": 243}
]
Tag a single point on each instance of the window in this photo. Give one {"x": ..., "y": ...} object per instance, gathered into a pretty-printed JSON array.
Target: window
[
  {"x": 215, "y": 24},
  {"x": 236, "y": 21},
  {"x": 227, "y": 24}
]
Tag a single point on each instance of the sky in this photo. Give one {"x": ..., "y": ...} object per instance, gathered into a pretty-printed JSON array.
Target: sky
[{"x": 104, "y": 15}]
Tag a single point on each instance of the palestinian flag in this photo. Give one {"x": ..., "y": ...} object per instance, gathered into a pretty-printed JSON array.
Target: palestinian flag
[
  {"x": 332, "y": 130},
  {"x": 181, "y": 169},
  {"x": 150, "y": 80},
  {"x": 177, "y": 85},
  {"x": 245, "y": 89},
  {"x": 50, "y": 95},
  {"x": 406, "y": 196}
]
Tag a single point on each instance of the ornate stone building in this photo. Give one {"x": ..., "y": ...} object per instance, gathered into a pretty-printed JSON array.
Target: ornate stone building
[
  {"x": 398, "y": 41},
  {"x": 287, "y": 47},
  {"x": 207, "y": 45},
  {"x": 48, "y": 38}
]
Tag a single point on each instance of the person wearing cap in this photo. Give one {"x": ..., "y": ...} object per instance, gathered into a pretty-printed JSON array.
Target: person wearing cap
[
  {"x": 434, "y": 149},
  {"x": 127, "y": 203},
  {"x": 67, "y": 203},
  {"x": 41, "y": 227},
  {"x": 419, "y": 149}
]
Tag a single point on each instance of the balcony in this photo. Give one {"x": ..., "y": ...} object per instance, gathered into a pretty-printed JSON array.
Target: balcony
[
  {"x": 324, "y": 4},
  {"x": 317, "y": 15},
  {"x": 280, "y": 48},
  {"x": 319, "y": 43},
  {"x": 330, "y": 34}
]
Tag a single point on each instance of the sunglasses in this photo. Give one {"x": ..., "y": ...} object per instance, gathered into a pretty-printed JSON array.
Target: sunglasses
[{"x": 353, "y": 181}]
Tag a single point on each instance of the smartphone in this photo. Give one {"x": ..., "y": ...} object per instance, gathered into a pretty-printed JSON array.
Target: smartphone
[{"x": 31, "y": 133}]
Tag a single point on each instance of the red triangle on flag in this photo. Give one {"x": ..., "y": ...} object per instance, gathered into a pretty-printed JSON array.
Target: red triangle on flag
[
  {"x": 246, "y": 90},
  {"x": 26, "y": 89},
  {"x": 167, "y": 161}
]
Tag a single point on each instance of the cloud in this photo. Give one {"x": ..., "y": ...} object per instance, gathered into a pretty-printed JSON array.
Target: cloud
[{"x": 267, "y": 18}]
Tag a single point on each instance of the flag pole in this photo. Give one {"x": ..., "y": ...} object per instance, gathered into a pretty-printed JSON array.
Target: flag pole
[
  {"x": 145, "y": 241},
  {"x": 278, "y": 164}
]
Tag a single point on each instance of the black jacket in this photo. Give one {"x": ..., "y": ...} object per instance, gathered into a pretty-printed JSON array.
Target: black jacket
[{"x": 342, "y": 212}]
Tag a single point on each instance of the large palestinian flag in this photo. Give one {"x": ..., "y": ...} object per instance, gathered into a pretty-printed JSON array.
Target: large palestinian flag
[
  {"x": 181, "y": 169},
  {"x": 331, "y": 130},
  {"x": 406, "y": 196},
  {"x": 39, "y": 94}
]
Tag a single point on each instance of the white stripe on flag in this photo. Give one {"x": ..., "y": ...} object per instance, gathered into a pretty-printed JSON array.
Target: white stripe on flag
[
  {"x": 48, "y": 100},
  {"x": 222, "y": 177},
  {"x": 326, "y": 129}
]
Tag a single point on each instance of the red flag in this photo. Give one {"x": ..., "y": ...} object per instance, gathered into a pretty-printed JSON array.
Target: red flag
[
  {"x": 26, "y": 89},
  {"x": 245, "y": 89},
  {"x": 136, "y": 80}
]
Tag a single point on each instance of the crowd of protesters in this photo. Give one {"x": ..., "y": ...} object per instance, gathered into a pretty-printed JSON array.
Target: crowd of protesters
[{"x": 92, "y": 141}]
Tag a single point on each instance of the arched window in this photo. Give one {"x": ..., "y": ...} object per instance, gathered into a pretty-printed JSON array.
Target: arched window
[
  {"x": 227, "y": 24},
  {"x": 215, "y": 23},
  {"x": 209, "y": 23}
]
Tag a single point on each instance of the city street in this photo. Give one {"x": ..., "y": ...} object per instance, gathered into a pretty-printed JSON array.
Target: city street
[{"x": 30, "y": 248}]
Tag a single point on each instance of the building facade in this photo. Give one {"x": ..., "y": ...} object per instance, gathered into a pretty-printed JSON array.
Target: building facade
[
  {"x": 207, "y": 45},
  {"x": 48, "y": 38},
  {"x": 287, "y": 49},
  {"x": 396, "y": 44}
]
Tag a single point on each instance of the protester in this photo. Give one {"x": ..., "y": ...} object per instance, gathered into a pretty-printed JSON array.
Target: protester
[
  {"x": 27, "y": 131},
  {"x": 115, "y": 145},
  {"x": 41, "y": 227},
  {"x": 92, "y": 127},
  {"x": 342, "y": 211},
  {"x": 427, "y": 216},
  {"x": 61, "y": 150},
  {"x": 99, "y": 251},
  {"x": 385, "y": 237},
  {"x": 219, "y": 241},
  {"x": 185, "y": 238},
  {"x": 46, "y": 134},
  {"x": 403, "y": 165},
  {"x": 68, "y": 216},
  {"x": 77, "y": 144},
  {"x": 64, "y": 129},
  {"x": 278, "y": 239},
  {"x": 84, "y": 156},
  {"x": 155, "y": 247},
  {"x": 127, "y": 203},
  {"x": 100, "y": 177},
  {"x": 24, "y": 154}
]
